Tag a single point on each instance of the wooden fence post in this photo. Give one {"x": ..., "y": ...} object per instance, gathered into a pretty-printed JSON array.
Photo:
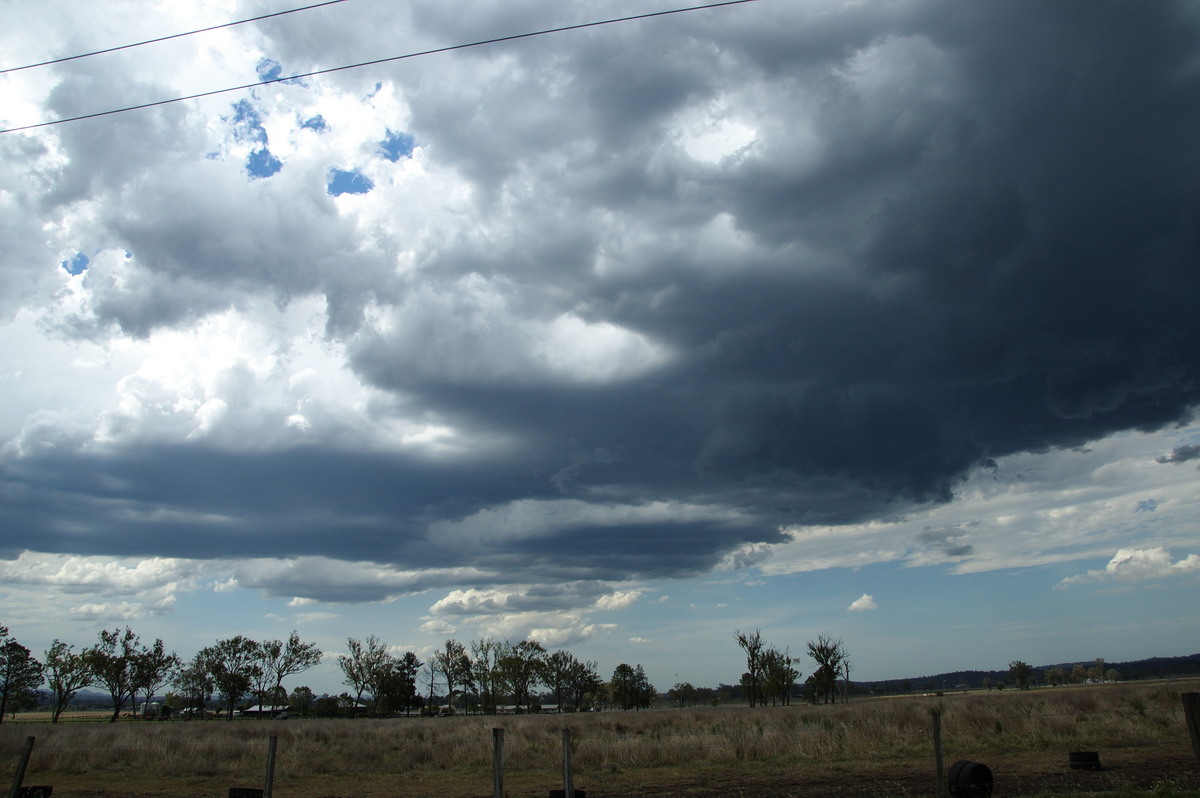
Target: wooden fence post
[
  {"x": 1191, "y": 711},
  {"x": 497, "y": 763},
  {"x": 937, "y": 752},
  {"x": 20, "y": 776},
  {"x": 269, "y": 782},
  {"x": 568, "y": 783}
]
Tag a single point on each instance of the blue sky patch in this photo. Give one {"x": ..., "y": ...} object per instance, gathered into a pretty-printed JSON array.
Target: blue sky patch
[
  {"x": 351, "y": 182},
  {"x": 247, "y": 123},
  {"x": 261, "y": 163},
  {"x": 269, "y": 69},
  {"x": 316, "y": 123},
  {"x": 397, "y": 145},
  {"x": 77, "y": 264}
]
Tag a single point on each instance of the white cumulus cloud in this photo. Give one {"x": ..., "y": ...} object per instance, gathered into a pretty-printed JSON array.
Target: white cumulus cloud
[
  {"x": 863, "y": 603},
  {"x": 1139, "y": 565}
]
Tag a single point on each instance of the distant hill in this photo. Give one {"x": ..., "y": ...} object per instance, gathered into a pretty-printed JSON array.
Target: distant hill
[
  {"x": 1153, "y": 668},
  {"x": 90, "y": 697}
]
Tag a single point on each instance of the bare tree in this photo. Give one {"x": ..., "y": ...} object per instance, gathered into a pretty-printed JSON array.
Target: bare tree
[
  {"x": 752, "y": 643},
  {"x": 845, "y": 674}
]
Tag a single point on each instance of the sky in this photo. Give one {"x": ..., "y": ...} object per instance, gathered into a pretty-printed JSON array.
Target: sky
[{"x": 868, "y": 319}]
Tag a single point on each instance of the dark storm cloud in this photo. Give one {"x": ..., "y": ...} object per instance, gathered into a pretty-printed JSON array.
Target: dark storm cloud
[
  {"x": 1014, "y": 226},
  {"x": 962, "y": 231},
  {"x": 1181, "y": 454},
  {"x": 184, "y": 502}
]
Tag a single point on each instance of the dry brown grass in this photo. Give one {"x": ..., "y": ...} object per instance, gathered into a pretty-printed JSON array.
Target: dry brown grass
[{"x": 660, "y": 750}]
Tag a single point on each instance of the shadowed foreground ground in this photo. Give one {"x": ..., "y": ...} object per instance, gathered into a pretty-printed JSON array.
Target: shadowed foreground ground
[
  {"x": 1166, "y": 770},
  {"x": 877, "y": 748}
]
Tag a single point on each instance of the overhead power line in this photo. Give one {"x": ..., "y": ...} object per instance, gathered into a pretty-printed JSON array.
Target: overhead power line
[
  {"x": 167, "y": 38},
  {"x": 377, "y": 61}
]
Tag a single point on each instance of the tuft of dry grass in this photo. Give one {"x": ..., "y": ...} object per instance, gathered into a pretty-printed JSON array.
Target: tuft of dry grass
[{"x": 456, "y": 753}]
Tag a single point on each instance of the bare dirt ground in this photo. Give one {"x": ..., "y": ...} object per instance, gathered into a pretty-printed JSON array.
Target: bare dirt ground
[{"x": 1170, "y": 770}]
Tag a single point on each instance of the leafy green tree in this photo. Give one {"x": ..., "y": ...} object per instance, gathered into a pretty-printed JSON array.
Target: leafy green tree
[
  {"x": 622, "y": 688},
  {"x": 280, "y": 659},
  {"x": 233, "y": 664},
  {"x": 114, "y": 662},
  {"x": 363, "y": 666},
  {"x": 486, "y": 658},
  {"x": 20, "y": 674},
  {"x": 261, "y": 682},
  {"x": 522, "y": 668},
  {"x": 455, "y": 666},
  {"x": 1021, "y": 673},
  {"x": 152, "y": 668},
  {"x": 326, "y": 707},
  {"x": 301, "y": 700},
  {"x": 779, "y": 675},
  {"x": 66, "y": 672},
  {"x": 646, "y": 693},
  {"x": 584, "y": 682},
  {"x": 194, "y": 681},
  {"x": 1056, "y": 676},
  {"x": 277, "y": 698},
  {"x": 408, "y": 667},
  {"x": 396, "y": 683},
  {"x": 557, "y": 671},
  {"x": 683, "y": 694},
  {"x": 630, "y": 689}
]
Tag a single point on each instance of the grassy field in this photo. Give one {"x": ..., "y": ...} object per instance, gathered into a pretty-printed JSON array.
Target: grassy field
[{"x": 877, "y": 747}]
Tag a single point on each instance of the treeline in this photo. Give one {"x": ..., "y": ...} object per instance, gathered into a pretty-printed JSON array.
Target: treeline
[
  {"x": 121, "y": 664},
  {"x": 485, "y": 676},
  {"x": 489, "y": 676},
  {"x": 1021, "y": 674}
]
